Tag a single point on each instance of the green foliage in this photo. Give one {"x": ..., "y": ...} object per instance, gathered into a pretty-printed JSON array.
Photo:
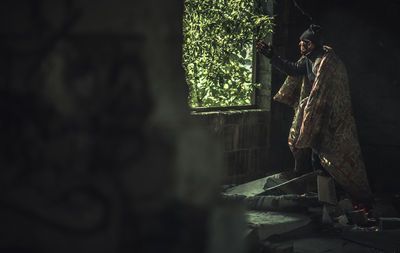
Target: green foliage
[{"x": 217, "y": 49}]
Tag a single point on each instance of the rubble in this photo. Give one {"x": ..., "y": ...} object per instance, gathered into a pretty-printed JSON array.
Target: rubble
[
  {"x": 293, "y": 185},
  {"x": 249, "y": 189},
  {"x": 285, "y": 214},
  {"x": 289, "y": 202},
  {"x": 343, "y": 220},
  {"x": 275, "y": 223},
  {"x": 277, "y": 179},
  {"x": 277, "y": 184}
]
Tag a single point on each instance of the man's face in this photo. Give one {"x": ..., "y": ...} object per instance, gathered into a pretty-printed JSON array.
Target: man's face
[{"x": 306, "y": 47}]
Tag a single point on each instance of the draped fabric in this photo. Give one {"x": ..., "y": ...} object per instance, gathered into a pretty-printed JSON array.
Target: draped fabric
[{"x": 323, "y": 121}]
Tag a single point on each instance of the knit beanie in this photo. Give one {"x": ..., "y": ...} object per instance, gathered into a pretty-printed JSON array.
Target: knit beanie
[{"x": 313, "y": 34}]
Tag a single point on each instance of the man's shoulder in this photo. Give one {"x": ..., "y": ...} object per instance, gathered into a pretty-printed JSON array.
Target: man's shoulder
[
  {"x": 327, "y": 48},
  {"x": 329, "y": 53},
  {"x": 332, "y": 63}
]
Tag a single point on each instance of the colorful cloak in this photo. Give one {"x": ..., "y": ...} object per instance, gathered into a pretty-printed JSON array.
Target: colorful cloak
[{"x": 324, "y": 122}]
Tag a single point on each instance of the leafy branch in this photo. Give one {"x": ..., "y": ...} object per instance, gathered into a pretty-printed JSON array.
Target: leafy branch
[{"x": 217, "y": 49}]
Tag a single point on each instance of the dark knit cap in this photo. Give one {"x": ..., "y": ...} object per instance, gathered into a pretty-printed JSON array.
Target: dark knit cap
[{"x": 313, "y": 34}]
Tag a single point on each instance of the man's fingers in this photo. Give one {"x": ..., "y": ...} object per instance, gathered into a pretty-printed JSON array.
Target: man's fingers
[{"x": 260, "y": 46}]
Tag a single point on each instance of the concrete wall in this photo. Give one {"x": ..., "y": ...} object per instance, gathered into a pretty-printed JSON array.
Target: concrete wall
[{"x": 244, "y": 136}]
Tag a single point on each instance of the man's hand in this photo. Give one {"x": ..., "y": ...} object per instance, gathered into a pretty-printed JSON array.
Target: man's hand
[{"x": 264, "y": 49}]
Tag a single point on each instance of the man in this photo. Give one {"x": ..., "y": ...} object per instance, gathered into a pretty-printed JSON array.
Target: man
[{"x": 317, "y": 88}]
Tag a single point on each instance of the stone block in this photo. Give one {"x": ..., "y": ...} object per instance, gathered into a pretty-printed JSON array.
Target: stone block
[
  {"x": 293, "y": 185},
  {"x": 243, "y": 134},
  {"x": 289, "y": 202},
  {"x": 284, "y": 203},
  {"x": 258, "y": 186},
  {"x": 274, "y": 223},
  {"x": 258, "y": 159},
  {"x": 229, "y": 134},
  {"x": 251, "y": 118},
  {"x": 249, "y": 189},
  {"x": 326, "y": 218},
  {"x": 275, "y": 180},
  {"x": 389, "y": 223},
  {"x": 236, "y": 117},
  {"x": 343, "y": 220},
  {"x": 243, "y": 137},
  {"x": 261, "y": 137},
  {"x": 326, "y": 190}
]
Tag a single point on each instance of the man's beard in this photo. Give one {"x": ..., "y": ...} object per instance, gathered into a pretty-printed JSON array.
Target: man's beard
[{"x": 305, "y": 51}]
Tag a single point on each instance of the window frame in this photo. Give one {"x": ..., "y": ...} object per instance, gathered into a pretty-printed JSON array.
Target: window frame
[{"x": 256, "y": 95}]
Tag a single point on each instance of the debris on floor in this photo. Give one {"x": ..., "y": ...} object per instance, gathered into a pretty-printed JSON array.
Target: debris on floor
[
  {"x": 275, "y": 223},
  {"x": 288, "y": 202},
  {"x": 292, "y": 185},
  {"x": 249, "y": 189},
  {"x": 306, "y": 214}
]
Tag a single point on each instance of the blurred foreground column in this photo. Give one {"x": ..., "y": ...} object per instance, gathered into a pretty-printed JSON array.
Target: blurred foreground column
[{"x": 98, "y": 152}]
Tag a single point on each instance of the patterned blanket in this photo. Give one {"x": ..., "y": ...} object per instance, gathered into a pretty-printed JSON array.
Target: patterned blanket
[{"x": 324, "y": 122}]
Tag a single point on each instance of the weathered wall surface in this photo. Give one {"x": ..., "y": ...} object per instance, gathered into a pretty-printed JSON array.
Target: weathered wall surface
[
  {"x": 98, "y": 153},
  {"x": 244, "y": 136},
  {"x": 281, "y": 115}
]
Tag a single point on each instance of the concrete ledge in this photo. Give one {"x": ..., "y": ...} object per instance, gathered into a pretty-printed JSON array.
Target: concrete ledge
[{"x": 229, "y": 112}]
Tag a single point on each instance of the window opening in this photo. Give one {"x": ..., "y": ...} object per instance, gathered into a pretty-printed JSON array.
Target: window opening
[{"x": 218, "y": 50}]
